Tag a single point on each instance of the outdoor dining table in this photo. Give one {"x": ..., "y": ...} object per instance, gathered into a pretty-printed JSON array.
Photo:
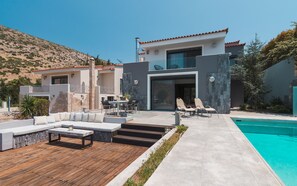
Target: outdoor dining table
[{"x": 118, "y": 104}]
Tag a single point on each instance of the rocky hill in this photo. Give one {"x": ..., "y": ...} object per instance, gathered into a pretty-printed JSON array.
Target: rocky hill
[{"x": 21, "y": 53}]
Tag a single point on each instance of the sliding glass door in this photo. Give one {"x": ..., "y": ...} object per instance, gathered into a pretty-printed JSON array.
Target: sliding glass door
[{"x": 163, "y": 95}]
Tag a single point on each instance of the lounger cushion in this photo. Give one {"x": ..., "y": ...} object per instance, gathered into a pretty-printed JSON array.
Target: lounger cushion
[
  {"x": 78, "y": 116},
  {"x": 85, "y": 117},
  {"x": 91, "y": 117},
  {"x": 99, "y": 117},
  {"x": 50, "y": 119},
  {"x": 40, "y": 120}
]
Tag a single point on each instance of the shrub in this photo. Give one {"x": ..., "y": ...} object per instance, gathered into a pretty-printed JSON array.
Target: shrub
[
  {"x": 32, "y": 106},
  {"x": 280, "y": 109},
  {"x": 181, "y": 129},
  {"x": 41, "y": 107},
  {"x": 243, "y": 107},
  {"x": 27, "y": 107}
]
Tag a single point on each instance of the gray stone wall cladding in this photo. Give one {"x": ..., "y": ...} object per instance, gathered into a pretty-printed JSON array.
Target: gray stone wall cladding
[
  {"x": 33, "y": 138},
  {"x": 136, "y": 71},
  {"x": 29, "y": 139},
  {"x": 216, "y": 94}
]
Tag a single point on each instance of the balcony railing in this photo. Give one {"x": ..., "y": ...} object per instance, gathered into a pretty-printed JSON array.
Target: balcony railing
[
  {"x": 40, "y": 88},
  {"x": 183, "y": 63},
  {"x": 106, "y": 90}
]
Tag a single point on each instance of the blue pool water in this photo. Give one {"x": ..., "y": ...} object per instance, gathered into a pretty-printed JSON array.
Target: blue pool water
[{"x": 276, "y": 141}]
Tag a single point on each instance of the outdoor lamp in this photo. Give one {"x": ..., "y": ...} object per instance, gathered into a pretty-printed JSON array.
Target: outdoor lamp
[{"x": 212, "y": 79}]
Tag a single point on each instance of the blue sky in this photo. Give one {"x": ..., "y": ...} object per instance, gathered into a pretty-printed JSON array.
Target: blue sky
[{"x": 108, "y": 28}]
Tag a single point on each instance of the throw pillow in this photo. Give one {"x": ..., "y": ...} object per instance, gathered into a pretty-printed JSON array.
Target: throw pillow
[
  {"x": 99, "y": 117},
  {"x": 50, "y": 119},
  {"x": 40, "y": 120},
  {"x": 72, "y": 116},
  {"x": 85, "y": 117},
  {"x": 67, "y": 116},
  {"x": 78, "y": 116},
  {"x": 91, "y": 117},
  {"x": 57, "y": 117}
]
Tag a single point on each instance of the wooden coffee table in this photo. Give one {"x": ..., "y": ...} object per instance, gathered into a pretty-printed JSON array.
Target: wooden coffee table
[{"x": 75, "y": 133}]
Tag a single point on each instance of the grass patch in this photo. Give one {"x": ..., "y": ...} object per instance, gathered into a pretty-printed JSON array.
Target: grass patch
[{"x": 148, "y": 168}]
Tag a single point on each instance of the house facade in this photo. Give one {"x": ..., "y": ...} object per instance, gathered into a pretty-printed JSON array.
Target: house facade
[
  {"x": 236, "y": 50},
  {"x": 71, "y": 89},
  {"x": 187, "y": 67}
]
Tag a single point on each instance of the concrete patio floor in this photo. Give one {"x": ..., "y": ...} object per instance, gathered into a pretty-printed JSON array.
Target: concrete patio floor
[{"x": 213, "y": 151}]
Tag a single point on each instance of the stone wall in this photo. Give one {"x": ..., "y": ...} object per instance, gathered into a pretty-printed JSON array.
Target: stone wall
[
  {"x": 215, "y": 94},
  {"x": 136, "y": 72}
]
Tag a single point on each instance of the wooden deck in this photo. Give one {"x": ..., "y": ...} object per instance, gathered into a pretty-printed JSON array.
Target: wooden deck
[{"x": 63, "y": 163}]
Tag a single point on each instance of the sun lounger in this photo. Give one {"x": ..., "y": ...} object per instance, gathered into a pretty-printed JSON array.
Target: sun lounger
[
  {"x": 182, "y": 107},
  {"x": 200, "y": 107}
]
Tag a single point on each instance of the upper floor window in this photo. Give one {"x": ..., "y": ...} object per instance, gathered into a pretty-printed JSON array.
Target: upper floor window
[
  {"x": 59, "y": 80},
  {"x": 183, "y": 58}
]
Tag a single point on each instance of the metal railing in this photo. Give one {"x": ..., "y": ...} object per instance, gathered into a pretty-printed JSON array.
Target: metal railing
[{"x": 187, "y": 62}]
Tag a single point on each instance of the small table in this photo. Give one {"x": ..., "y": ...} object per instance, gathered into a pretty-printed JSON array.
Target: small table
[
  {"x": 118, "y": 105},
  {"x": 76, "y": 133}
]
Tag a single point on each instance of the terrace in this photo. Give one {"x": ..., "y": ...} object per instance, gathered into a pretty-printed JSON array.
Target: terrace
[{"x": 65, "y": 163}]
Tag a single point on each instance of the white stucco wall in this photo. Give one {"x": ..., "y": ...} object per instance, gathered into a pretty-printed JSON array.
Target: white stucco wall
[
  {"x": 209, "y": 47},
  {"x": 118, "y": 75}
]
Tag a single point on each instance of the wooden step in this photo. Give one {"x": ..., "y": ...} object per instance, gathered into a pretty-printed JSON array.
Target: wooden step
[
  {"x": 132, "y": 140},
  {"x": 141, "y": 133},
  {"x": 150, "y": 127}
]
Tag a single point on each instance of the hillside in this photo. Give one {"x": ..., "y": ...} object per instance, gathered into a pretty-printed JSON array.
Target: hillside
[{"x": 21, "y": 53}]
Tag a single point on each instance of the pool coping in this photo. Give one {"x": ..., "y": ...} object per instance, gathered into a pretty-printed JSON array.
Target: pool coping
[{"x": 229, "y": 120}]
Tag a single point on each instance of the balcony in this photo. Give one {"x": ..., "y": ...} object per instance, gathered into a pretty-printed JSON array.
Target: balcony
[{"x": 173, "y": 64}]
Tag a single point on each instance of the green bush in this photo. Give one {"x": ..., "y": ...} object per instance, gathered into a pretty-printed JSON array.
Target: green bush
[
  {"x": 27, "y": 107},
  {"x": 243, "y": 107},
  {"x": 32, "y": 106},
  {"x": 279, "y": 109},
  {"x": 181, "y": 129},
  {"x": 41, "y": 107}
]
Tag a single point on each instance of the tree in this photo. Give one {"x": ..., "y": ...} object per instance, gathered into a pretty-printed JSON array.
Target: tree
[
  {"x": 283, "y": 46},
  {"x": 250, "y": 70}
]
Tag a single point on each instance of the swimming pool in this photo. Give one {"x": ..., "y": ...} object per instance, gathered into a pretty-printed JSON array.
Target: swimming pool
[{"x": 276, "y": 141}]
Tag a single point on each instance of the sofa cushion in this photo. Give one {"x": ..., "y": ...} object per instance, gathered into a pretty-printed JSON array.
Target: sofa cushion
[
  {"x": 105, "y": 127},
  {"x": 57, "y": 117},
  {"x": 85, "y": 117},
  {"x": 78, "y": 116},
  {"x": 72, "y": 116},
  {"x": 91, "y": 117},
  {"x": 50, "y": 119},
  {"x": 99, "y": 117},
  {"x": 40, "y": 120},
  {"x": 30, "y": 129}
]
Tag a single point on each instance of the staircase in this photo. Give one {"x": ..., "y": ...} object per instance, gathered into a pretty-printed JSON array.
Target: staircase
[{"x": 140, "y": 134}]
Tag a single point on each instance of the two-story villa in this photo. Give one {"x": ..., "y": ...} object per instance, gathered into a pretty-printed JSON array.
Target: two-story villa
[
  {"x": 69, "y": 89},
  {"x": 187, "y": 66}
]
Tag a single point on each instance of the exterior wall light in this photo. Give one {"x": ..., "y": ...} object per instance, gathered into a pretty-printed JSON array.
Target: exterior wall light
[
  {"x": 72, "y": 75},
  {"x": 136, "y": 82},
  {"x": 44, "y": 77},
  {"x": 212, "y": 79}
]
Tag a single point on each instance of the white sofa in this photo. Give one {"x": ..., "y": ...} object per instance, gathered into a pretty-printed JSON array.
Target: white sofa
[{"x": 17, "y": 137}]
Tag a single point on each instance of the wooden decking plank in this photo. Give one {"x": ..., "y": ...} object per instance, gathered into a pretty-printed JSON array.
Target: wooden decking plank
[{"x": 64, "y": 164}]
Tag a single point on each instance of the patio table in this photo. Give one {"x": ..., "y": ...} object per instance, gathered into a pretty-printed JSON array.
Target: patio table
[
  {"x": 76, "y": 133},
  {"x": 118, "y": 105}
]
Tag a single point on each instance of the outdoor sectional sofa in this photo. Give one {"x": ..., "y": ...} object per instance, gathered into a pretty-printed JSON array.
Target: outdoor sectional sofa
[{"x": 17, "y": 137}]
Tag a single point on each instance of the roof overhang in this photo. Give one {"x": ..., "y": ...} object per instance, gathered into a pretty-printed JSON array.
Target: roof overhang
[{"x": 185, "y": 39}]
